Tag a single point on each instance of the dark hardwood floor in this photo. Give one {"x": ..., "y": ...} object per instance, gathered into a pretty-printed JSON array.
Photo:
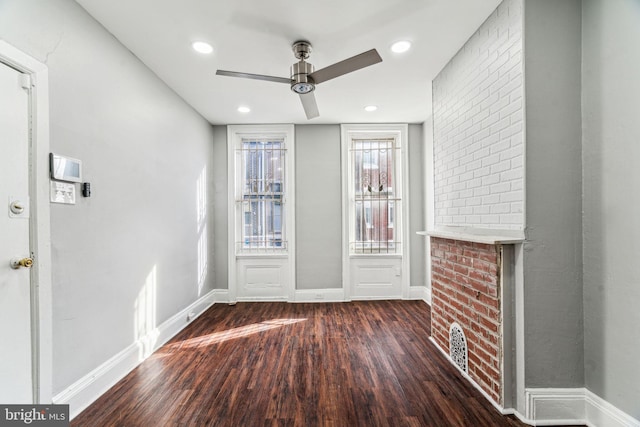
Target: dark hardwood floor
[{"x": 278, "y": 364}]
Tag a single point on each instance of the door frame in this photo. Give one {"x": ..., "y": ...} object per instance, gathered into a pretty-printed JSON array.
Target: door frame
[
  {"x": 39, "y": 221},
  {"x": 402, "y": 130}
]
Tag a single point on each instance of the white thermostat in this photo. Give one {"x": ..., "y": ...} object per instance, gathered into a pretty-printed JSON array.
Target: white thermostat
[{"x": 65, "y": 168}]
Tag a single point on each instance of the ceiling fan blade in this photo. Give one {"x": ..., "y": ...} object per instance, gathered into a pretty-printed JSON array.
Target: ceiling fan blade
[
  {"x": 253, "y": 76},
  {"x": 354, "y": 63},
  {"x": 309, "y": 105}
]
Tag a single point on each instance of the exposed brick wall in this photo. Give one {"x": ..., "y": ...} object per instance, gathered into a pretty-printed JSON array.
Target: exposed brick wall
[
  {"x": 466, "y": 289},
  {"x": 478, "y": 128}
]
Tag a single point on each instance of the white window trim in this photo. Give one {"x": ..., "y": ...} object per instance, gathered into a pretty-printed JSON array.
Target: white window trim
[
  {"x": 235, "y": 134},
  {"x": 401, "y": 131}
]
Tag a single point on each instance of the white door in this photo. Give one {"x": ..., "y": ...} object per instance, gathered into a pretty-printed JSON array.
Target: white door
[{"x": 16, "y": 383}]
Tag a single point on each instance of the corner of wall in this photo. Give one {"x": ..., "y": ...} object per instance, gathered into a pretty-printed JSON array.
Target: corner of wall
[{"x": 91, "y": 386}]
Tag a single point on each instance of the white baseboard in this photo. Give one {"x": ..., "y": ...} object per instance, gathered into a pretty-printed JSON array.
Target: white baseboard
[
  {"x": 323, "y": 295},
  {"x": 555, "y": 406},
  {"x": 571, "y": 406},
  {"x": 220, "y": 295},
  {"x": 560, "y": 406},
  {"x": 603, "y": 414},
  {"x": 495, "y": 404},
  {"x": 261, "y": 299},
  {"x": 88, "y": 388},
  {"x": 420, "y": 292},
  {"x": 319, "y": 295}
]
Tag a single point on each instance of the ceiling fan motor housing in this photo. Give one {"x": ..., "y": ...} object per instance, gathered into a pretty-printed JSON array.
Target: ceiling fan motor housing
[{"x": 300, "y": 80}]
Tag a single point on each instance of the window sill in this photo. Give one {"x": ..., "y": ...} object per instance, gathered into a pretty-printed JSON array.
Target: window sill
[
  {"x": 274, "y": 255},
  {"x": 355, "y": 256}
]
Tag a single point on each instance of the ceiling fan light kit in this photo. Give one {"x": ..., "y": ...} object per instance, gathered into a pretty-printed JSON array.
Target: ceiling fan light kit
[{"x": 304, "y": 78}]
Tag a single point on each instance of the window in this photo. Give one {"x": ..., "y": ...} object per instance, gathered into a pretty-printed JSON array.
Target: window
[
  {"x": 261, "y": 219},
  {"x": 261, "y": 169},
  {"x": 373, "y": 172}
]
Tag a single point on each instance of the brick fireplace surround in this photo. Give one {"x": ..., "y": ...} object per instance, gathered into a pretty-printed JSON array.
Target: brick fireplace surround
[
  {"x": 466, "y": 289},
  {"x": 473, "y": 286}
]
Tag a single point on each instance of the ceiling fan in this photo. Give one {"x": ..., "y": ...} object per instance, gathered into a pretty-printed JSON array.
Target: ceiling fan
[{"x": 304, "y": 79}]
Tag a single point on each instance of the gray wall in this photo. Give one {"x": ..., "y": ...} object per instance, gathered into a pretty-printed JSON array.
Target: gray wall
[
  {"x": 552, "y": 254},
  {"x": 318, "y": 207},
  {"x": 220, "y": 208},
  {"x": 143, "y": 150},
  {"x": 611, "y": 150},
  {"x": 416, "y": 205}
]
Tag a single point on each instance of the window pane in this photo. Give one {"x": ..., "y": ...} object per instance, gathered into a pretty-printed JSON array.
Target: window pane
[
  {"x": 372, "y": 178},
  {"x": 262, "y": 166}
]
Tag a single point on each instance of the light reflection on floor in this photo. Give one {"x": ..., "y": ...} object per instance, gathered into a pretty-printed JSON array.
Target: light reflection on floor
[{"x": 222, "y": 336}]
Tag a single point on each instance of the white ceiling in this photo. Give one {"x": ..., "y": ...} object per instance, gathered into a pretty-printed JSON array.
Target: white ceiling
[{"x": 255, "y": 36}]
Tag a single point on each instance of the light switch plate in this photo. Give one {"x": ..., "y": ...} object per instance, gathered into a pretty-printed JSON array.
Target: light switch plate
[{"x": 63, "y": 192}]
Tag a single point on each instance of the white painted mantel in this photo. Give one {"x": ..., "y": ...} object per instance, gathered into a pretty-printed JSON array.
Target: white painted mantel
[{"x": 490, "y": 237}]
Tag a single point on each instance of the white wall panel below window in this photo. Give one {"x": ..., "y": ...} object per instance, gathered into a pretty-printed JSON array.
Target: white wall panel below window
[
  {"x": 262, "y": 278},
  {"x": 373, "y": 278}
]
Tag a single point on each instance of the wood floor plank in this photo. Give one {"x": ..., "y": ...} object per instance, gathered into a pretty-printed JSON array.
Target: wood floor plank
[{"x": 367, "y": 363}]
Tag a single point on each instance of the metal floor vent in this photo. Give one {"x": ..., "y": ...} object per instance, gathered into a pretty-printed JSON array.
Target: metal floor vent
[{"x": 458, "y": 347}]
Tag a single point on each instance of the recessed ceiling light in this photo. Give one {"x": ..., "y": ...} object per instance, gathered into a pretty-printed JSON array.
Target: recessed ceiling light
[
  {"x": 401, "y": 46},
  {"x": 202, "y": 47},
  {"x": 244, "y": 109},
  {"x": 371, "y": 108}
]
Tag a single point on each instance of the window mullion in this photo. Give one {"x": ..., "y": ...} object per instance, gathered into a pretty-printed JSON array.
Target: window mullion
[
  {"x": 263, "y": 201},
  {"x": 253, "y": 190},
  {"x": 240, "y": 196},
  {"x": 397, "y": 196},
  {"x": 283, "y": 164}
]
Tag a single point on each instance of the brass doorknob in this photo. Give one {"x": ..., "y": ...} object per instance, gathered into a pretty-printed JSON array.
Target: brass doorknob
[{"x": 24, "y": 262}]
